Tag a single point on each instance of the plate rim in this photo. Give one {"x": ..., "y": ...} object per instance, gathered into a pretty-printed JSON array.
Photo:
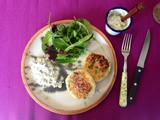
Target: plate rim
[{"x": 65, "y": 112}]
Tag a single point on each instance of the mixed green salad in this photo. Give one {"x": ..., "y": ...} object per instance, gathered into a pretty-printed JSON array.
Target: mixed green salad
[{"x": 65, "y": 43}]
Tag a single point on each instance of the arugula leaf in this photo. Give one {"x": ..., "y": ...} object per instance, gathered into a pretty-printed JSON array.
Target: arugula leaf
[
  {"x": 58, "y": 34},
  {"x": 88, "y": 25},
  {"x": 59, "y": 43},
  {"x": 47, "y": 37},
  {"x": 75, "y": 52},
  {"x": 49, "y": 20},
  {"x": 60, "y": 27},
  {"x": 50, "y": 41},
  {"x": 66, "y": 60},
  {"x": 61, "y": 56},
  {"x": 79, "y": 42},
  {"x": 83, "y": 27}
]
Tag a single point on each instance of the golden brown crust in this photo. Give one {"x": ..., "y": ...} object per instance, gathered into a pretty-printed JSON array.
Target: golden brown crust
[
  {"x": 80, "y": 84},
  {"x": 97, "y": 65}
]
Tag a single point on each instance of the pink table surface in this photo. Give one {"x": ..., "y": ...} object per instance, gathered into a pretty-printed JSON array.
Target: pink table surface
[{"x": 20, "y": 19}]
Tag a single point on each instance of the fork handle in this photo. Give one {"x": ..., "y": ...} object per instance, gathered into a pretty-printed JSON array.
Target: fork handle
[{"x": 123, "y": 90}]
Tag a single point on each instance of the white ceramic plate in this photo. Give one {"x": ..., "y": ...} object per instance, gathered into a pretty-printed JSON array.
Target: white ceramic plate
[{"x": 61, "y": 101}]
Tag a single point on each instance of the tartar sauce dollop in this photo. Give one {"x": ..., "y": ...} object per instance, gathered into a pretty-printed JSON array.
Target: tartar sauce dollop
[{"x": 114, "y": 20}]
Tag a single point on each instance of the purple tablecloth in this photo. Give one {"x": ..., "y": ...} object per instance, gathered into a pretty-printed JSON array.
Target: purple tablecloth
[{"x": 20, "y": 19}]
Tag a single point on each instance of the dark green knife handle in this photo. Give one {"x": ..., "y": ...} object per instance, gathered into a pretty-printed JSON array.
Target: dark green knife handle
[{"x": 134, "y": 85}]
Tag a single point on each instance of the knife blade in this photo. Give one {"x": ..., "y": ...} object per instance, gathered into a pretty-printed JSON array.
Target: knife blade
[{"x": 139, "y": 69}]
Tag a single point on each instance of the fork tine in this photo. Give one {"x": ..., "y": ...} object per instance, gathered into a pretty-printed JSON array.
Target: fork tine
[
  {"x": 123, "y": 42},
  {"x": 126, "y": 42},
  {"x": 130, "y": 42}
]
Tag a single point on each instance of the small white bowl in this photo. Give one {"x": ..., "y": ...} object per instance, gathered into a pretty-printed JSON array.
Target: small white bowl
[{"x": 123, "y": 12}]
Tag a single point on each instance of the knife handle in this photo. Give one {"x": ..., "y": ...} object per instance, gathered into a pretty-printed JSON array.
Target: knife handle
[{"x": 134, "y": 85}]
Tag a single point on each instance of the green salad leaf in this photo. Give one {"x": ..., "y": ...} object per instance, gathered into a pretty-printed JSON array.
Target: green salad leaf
[
  {"x": 86, "y": 24},
  {"x": 67, "y": 41},
  {"x": 59, "y": 43},
  {"x": 79, "y": 42},
  {"x": 47, "y": 39}
]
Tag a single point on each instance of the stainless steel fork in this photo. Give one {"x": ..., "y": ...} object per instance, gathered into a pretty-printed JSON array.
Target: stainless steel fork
[{"x": 126, "y": 45}]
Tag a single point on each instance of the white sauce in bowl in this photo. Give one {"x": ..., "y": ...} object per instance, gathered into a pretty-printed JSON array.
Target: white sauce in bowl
[{"x": 114, "y": 20}]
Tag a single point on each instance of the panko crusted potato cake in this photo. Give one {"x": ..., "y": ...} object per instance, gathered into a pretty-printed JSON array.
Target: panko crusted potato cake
[
  {"x": 80, "y": 84},
  {"x": 97, "y": 65}
]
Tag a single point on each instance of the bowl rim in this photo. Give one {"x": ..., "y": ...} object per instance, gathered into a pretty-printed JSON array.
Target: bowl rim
[
  {"x": 65, "y": 112},
  {"x": 118, "y": 7}
]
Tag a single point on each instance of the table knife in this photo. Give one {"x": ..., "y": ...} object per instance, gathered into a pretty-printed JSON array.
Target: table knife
[{"x": 139, "y": 69}]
